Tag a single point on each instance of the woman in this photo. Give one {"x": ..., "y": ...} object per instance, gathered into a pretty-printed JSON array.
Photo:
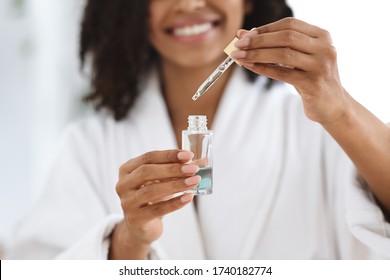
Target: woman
[{"x": 283, "y": 187}]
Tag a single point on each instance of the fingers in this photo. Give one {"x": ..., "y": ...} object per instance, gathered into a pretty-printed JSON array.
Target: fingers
[
  {"x": 163, "y": 208},
  {"x": 156, "y": 157},
  {"x": 154, "y": 167},
  {"x": 287, "y": 57},
  {"x": 296, "y": 25},
  {"x": 297, "y": 53},
  {"x": 152, "y": 172},
  {"x": 285, "y": 38},
  {"x": 153, "y": 193},
  {"x": 288, "y": 43},
  {"x": 241, "y": 33},
  {"x": 148, "y": 188},
  {"x": 148, "y": 213},
  {"x": 276, "y": 72},
  {"x": 156, "y": 200}
]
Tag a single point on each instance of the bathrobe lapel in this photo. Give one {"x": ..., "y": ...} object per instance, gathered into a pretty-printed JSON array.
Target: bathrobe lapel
[
  {"x": 247, "y": 164},
  {"x": 181, "y": 238}
]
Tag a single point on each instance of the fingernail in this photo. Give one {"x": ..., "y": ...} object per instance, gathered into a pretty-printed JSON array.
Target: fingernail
[
  {"x": 189, "y": 169},
  {"x": 186, "y": 197},
  {"x": 244, "y": 42},
  {"x": 185, "y": 155},
  {"x": 241, "y": 32},
  {"x": 248, "y": 64},
  {"x": 194, "y": 180},
  {"x": 238, "y": 54},
  {"x": 251, "y": 33}
]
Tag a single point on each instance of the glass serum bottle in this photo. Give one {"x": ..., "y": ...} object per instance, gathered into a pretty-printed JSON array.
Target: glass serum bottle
[{"x": 198, "y": 139}]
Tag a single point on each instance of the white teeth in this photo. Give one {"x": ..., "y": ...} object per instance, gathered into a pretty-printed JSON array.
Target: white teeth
[{"x": 192, "y": 30}]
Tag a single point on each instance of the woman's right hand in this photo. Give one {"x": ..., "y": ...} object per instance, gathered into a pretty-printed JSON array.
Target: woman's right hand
[{"x": 147, "y": 186}]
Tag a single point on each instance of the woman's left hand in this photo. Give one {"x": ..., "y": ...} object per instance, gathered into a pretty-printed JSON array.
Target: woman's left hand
[{"x": 302, "y": 55}]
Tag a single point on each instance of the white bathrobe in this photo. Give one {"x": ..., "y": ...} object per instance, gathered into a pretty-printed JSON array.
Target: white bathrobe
[{"x": 283, "y": 189}]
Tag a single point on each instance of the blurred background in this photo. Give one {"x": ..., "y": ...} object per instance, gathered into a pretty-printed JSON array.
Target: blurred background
[{"x": 41, "y": 83}]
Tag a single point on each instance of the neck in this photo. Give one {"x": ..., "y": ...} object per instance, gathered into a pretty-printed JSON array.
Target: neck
[{"x": 180, "y": 84}]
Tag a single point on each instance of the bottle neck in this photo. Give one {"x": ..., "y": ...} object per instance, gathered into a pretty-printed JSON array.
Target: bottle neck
[{"x": 197, "y": 123}]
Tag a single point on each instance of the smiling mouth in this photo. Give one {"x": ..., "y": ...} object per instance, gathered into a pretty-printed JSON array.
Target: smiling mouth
[{"x": 192, "y": 30}]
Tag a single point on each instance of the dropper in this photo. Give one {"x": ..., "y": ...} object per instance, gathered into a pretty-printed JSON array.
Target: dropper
[{"x": 218, "y": 71}]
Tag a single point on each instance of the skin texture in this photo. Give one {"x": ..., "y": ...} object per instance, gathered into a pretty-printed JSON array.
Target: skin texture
[
  {"x": 144, "y": 186},
  {"x": 288, "y": 50}
]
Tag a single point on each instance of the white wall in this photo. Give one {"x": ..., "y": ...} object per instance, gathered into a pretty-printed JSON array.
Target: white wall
[
  {"x": 40, "y": 88},
  {"x": 360, "y": 33},
  {"x": 15, "y": 113}
]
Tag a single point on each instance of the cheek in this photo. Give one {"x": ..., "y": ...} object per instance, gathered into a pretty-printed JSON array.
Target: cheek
[
  {"x": 153, "y": 28},
  {"x": 235, "y": 12},
  {"x": 235, "y": 22},
  {"x": 156, "y": 15}
]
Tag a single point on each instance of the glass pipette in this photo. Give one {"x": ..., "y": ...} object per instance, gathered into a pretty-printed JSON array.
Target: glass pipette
[
  {"x": 217, "y": 72},
  {"x": 213, "y": 77}
]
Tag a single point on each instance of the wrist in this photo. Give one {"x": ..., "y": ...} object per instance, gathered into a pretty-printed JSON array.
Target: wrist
[
  {"x": 343, "y": 116},
  {"x": 124, "y": 245}
]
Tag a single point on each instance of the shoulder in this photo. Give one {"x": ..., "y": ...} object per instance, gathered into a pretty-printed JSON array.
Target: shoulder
[
  {"x": 91, "y": 131},
  {"x": 89, "y": 125}
]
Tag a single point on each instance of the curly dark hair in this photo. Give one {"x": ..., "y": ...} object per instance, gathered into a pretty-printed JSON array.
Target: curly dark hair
[{"x": 120, "y": 61}]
